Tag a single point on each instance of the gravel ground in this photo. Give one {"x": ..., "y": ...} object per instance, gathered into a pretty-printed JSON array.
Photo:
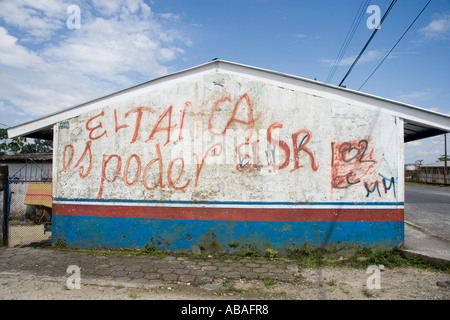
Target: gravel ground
[{"x": 317, "y": 284}]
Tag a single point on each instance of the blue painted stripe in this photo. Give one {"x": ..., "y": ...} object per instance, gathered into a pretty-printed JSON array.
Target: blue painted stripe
[
  {"x": 113, "y": 232},
  {"x": 269, "y": 203}
]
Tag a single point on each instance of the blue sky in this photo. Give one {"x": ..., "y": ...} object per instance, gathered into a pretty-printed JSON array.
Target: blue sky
[{"x": 45, "y": 66}]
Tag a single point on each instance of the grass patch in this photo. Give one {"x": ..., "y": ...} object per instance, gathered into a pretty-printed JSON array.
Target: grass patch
[
  {"x": 357, "y": 257},
  {"x": 147, "y": 250},
  {"x": 133, "y": 295},
  {"x": 233, "y": 244},
  {"x": 368, "y": 293},
  {"x": 425, "y": 185},
  {"x": 269, "y": 282},
  {"x": 250, "y": 253},
  {"x": 151, "y": 250},
  {"x": 271, "y": 253},
  {"x": 61, "y": 244},
  {"x": 331, "y": 282},
  {"x": 305, "y": 256}
]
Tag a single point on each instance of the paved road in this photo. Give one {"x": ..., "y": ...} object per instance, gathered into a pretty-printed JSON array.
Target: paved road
[{"x": 429, "y": 208}]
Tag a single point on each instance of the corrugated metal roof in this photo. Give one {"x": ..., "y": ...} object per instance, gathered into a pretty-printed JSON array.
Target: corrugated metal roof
[
  {"x": 27, "y": 157},
  {"x": 438, "y": 164}
]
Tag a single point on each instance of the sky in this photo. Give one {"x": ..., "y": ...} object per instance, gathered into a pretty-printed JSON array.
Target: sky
[{"x": 59, "y": 54}]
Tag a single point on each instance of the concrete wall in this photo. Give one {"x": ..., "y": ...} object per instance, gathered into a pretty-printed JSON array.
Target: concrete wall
[
  {"x": 219, "y": 158},
  {"x": 434, "y": 175},
  {"x": 30, "y": 171}
]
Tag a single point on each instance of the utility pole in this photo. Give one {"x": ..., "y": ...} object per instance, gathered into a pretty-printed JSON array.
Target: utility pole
[
  {"x": 3, "y": 210},
  {"x": 445, "y": 159}
]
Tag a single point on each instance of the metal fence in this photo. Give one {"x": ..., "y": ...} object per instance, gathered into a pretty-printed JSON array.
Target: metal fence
[
  {"x": 431, "y": 175},
  {"x": 29, "y": 213}
]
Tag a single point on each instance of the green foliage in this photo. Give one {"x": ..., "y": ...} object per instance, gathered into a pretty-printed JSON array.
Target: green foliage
[
  {"x": 391, "y": 258},
  {"x": 272, "y": 253},
  {"x": 269, "y": 282},
  {"x": 22, "y": 145},
  {"x": 60, "y": 244},
  {"x": 356, "y": 257},
  {"x": 250, "y": 253},
  {"x": 359, "y": 257},
  {"x": 234, "y": 244},
  {"x": 368, "y": 293},
  {"x": 149, "y": 249}
]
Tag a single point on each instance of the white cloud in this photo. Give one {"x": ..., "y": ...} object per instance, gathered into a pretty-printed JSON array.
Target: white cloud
[
  {"x": 428, "y": 150},
  {"x": 415, "y": 96},
  {"x": 61, "y": 68},
  {"x": 108, "y": 48},
  {"x": 169, "y": 16},
  {"x": 305, "y": 37},
  {"x": 438, "y": 28},
  {"x": 107, "y": 7},
  {"x": 121, "y": 8},
  {"x": 39, "y": 19},
  {"x": 416, "y": 143},
  {"x": 14, "y": 55},
  {"x": 369, "y": 56}
]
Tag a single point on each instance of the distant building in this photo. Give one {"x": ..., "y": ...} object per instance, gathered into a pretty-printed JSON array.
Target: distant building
[
  {"x": 412, "y": 172},
  {"x": 29, "y": 166},
  {"x": 411, "y": 167},
  {"x": 435, "y": 173},
  {"x": 30, "y": 176}
]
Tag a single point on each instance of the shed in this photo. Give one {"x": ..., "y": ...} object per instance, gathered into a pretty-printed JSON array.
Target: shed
[
  {"x": 30, "y": 186},
  {"x": 226, "y": 156},
  {"x": 29, "y": 166},
  {"x": 435, "y": 173}
]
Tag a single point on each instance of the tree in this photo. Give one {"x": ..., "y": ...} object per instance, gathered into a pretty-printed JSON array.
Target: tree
[
  {"x": 22, "y": 145},
  {"x": 442, "y": 158}
]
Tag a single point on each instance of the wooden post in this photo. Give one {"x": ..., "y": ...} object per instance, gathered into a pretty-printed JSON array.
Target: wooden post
[
  {"x": 3, "y": 213},
  {"x": 445, "y": 159}
]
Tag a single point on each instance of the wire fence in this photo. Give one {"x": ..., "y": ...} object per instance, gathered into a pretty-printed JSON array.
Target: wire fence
[{"x": 29, "y": 213}]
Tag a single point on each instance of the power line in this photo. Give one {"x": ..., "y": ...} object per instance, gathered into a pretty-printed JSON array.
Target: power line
[
  {"x": 368, "y": 41},
  {"x": 395, "y": 44},
  {"x": 421, "y": 153},
  {"x": 348, "y": 39}
]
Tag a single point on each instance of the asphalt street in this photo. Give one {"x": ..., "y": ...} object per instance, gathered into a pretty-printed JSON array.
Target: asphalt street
[{"x": 429, "y": 208}]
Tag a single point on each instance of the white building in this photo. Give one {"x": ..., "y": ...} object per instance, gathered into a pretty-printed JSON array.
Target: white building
[{"x": 225, "y": 153}]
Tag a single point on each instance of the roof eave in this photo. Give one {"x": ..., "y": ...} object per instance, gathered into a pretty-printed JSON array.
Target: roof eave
[{"x": 433, "y": 122}]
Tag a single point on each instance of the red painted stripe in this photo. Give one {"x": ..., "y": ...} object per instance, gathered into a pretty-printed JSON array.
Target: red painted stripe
[
  {"x": 230, "y": 214},
  {"x": 39, "y": 195}
]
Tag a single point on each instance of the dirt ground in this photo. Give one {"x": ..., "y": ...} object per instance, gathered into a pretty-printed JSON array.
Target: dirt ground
[
  {"x": 25, "y": 233},
  {"x": 313, "y": 284},
  {"x": 328, "y": 283}
]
